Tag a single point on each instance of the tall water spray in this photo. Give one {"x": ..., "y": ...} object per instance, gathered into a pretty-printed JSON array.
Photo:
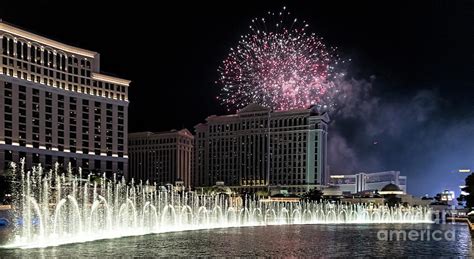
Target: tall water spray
[{"x": 53, "y": 208}]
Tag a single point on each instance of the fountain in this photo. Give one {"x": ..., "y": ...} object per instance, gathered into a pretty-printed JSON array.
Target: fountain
[{"x": 53, "y": 209}]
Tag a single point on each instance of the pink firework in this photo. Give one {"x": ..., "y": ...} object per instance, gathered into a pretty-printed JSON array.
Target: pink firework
[{"x": 281, "y": 66}]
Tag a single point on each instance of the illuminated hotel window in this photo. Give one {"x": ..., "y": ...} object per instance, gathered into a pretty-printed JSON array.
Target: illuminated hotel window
[{"x": 5, "y": 44}]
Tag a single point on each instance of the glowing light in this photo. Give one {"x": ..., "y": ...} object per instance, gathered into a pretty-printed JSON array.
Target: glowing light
[
  {"x": 43, "y": 198},
  {"x": 110, "y": 79},
  {"x": 464, "y": 170},
  {"x": 42, "y": 40},
  {"x": 279, "y": 65}
]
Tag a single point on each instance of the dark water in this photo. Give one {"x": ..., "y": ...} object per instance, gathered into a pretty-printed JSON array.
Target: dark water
[{"x": 271, "y": 241}]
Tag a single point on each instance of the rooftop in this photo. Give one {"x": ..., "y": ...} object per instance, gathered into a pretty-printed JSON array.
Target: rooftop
[
  {"x": 15, "y": 30},
  {"x": 259, "y": 110},
  {"x": 149, "y": 134},
  {"x": 391, "y": 189}
]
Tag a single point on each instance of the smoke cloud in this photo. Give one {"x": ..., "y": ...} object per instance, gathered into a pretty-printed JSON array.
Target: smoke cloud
[{"x": 413, "y": 134}]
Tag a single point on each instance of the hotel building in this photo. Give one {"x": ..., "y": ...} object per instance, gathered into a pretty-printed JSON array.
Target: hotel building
[
  {"x": 257, "y": 149},
  {"x": 368, "y": 181},
  {"x": 162, "y": 157},
  {"x": 56, "y": 105}
]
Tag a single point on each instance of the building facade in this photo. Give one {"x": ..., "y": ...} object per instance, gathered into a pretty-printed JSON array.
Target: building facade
[
  {"x": 56, "y": 106},
  {"x": 368, "y": 181},
  {"x": 260, "y": 149},
  {"x": 163, "y": 157}
]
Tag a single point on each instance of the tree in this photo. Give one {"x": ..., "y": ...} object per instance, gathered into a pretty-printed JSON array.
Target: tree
[
  {"x": 392, "y": 200},
  {"x": 6, "y": 185},
  {"x": 469, "y": 188},
  {"x": 313, "y": 195},
  {"x": 461, "y": 200},
  {"x": 4, "y": 188},
  {"x": 438, "y": 199}
]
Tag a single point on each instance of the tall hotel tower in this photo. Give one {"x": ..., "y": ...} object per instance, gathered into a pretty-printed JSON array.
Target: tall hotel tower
[
  {"x": 56, "y": 106},
  {"x": 257, "y": 149},
  {"x": 161, "y": 157}
]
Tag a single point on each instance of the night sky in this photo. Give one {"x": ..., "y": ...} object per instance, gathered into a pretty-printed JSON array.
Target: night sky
[{"x": 412, "y": 107}]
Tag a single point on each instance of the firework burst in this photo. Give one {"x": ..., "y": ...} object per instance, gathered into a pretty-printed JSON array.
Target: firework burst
[{"x": 279, "y": 65}]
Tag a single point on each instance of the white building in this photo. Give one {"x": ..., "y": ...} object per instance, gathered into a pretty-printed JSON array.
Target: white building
[
  {"x": 57, "y": 106},
  {"x": 368, "y": 181},
  {"x": 257, "y": 149}
]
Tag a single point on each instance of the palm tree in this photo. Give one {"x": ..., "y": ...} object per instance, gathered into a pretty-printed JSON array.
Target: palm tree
[{"x": 313, "y": 195}]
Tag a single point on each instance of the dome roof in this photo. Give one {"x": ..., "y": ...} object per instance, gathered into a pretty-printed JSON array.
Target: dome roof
[
  {"x": 391, "y": 189},
  {"x": 221, "y": 189}
]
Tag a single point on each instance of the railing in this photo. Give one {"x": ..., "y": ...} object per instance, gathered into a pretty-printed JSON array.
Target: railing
[
  {"x": 462, "y": 220},
  {"x": 5, "y": 207}
]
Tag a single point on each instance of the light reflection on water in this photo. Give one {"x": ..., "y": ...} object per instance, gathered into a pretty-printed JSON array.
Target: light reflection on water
[{"x": 288, "y": 240}]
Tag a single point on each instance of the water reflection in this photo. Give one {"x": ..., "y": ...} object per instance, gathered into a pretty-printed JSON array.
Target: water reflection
[{"x": 270, "y": 241}]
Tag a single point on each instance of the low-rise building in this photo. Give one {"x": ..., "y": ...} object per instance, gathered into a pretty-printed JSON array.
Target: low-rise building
[{"x": 368, "y": 181}]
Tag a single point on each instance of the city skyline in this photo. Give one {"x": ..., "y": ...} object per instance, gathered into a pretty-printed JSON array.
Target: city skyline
[
  {"x": 410, "y": 87},
  {"x": 268, "y": 128}
]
